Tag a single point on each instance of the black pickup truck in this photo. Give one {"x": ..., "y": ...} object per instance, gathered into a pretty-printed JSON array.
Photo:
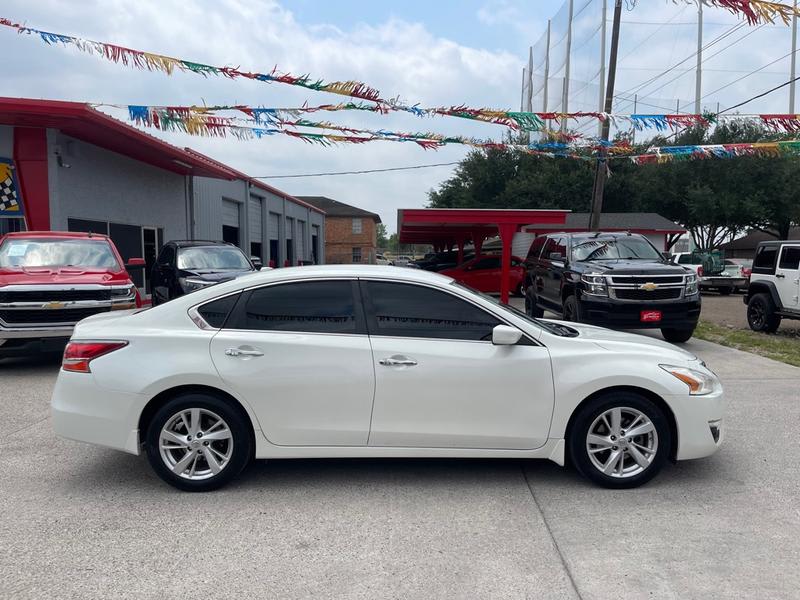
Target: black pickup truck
[{"x": 616, "y": 280}]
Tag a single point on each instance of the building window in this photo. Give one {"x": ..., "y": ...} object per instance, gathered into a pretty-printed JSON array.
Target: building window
[
  {"x": 356, "y": 226},
  {"x": 356, "y": 255}
]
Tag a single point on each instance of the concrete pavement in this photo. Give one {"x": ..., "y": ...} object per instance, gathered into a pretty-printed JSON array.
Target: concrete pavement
[{"x": 84, "y": 522}]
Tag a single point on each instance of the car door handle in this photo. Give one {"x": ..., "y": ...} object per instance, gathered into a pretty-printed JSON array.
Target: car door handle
[
  {"x": 398, "y": 361},
  {"x": 780, "y": 275},
  {"x": 241, "y": 352}
]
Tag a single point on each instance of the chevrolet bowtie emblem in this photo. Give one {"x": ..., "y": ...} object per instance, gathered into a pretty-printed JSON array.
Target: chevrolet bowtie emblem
[
  {"x": 649, "y": 286},
  {"x": 53, "y": 305}
]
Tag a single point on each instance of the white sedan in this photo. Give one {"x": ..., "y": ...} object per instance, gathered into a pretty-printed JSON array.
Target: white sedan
[{"x": 369, "y": 361}]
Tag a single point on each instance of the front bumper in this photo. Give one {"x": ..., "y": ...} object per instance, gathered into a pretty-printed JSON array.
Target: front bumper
[
  {"x": 32, "y": 346},
  {"x": 82, "y": 410},
  {"x": 700, "y": 423},
  {"x": 627, "y": 315}
]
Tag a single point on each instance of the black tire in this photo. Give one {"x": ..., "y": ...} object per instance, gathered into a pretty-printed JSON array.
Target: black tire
[
  {"x": 520, "y": 291},
  {"x": 531, "y": 309},
  {"x": 586, "y": 417},
  {"x": 677, "y": 336},
  {"x": 726, "y": 291},
  {"x": 233, "y": 417},
  {"x": 571, "y": 310},
  {"x": 761, "y": 314}
]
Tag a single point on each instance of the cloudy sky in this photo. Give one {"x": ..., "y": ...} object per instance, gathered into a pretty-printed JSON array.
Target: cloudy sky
[{"x": 442, "y": 52}]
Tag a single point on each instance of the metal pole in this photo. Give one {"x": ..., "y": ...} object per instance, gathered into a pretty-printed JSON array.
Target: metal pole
[
  {"x": 794, "y": 61},
  {"x": 565, "y": 94},
  {"x": 546, "y": 69},
  {"x": 698, "y": 84},
  {"x": 635, "y": 105},
  {"x": 600, "y": 173},
  {"x": 602, "y": 81},
  {"x": 529, "y": 103},
  {"x": 522, "y": 92}
]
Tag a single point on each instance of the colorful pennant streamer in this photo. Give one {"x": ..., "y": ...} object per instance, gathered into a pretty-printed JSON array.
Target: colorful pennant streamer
[
  {"x": 755, "y": 11},
  {"x": 761, "y": 149}
]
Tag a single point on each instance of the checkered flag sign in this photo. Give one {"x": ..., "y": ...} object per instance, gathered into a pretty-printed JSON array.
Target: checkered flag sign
[{"x": 9, "y": 200}]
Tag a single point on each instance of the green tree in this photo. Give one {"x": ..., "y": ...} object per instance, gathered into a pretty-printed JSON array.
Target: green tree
[{"x": 382, "y": 239}]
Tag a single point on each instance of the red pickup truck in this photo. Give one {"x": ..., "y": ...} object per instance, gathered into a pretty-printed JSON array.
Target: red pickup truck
[{"x": 50, "y": 280}]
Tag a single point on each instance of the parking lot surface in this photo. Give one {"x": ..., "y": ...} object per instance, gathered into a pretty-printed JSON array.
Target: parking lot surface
[{"x": 85, "y": 522}]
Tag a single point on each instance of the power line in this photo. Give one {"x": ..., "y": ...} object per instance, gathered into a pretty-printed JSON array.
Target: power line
[
  {"x": 735, "y": 81},
  {"x": 761, "y": 95},
  {"x": 448, "y": 164}
]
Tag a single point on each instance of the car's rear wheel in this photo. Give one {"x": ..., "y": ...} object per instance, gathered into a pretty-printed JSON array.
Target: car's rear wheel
[
  {"x": 620, "y": 440},
  {"x": 677, "y": 336},
  {"x": 198, "y": 442},
  {"x": 761, "y": 314}
]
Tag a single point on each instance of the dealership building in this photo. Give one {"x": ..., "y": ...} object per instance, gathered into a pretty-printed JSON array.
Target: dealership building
[{"x": 65, "y": 166}]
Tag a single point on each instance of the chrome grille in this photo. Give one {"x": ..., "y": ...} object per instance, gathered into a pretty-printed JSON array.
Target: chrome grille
[
  {"x": 646, "y": 288},
  {"x": 35, "y": 317},
  {"x": 54, "y": 295}
]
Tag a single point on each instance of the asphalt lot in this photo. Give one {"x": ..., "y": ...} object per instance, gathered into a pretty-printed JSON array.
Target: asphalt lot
[
  {"x": 84, "y": 522},
  {"x": 730, "y": 311}
]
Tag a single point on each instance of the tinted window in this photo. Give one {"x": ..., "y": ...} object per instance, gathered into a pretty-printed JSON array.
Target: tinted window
[
  {"x": 400, "y": 309},
  {"x": 790, "y": 257},
  {"x": 486, "y": 263},
  {"x": 217, "y": 311},
  {"x": 560, "y": 246},
  {"x": 167, "y": 256},
  {"x": 549, "y": 246},
  {"x": 314, "y": 307},
  {"x": 536, "y": 248},
  {"x": 685, "y": 259},
  {"x": 765, "y": 257}
]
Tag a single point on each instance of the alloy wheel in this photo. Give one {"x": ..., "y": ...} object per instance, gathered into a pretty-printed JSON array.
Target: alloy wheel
[
  {"x": 757, "y": 314},
  {"x": 622, "y": 442},
  {"x": 195, "y": 444}
]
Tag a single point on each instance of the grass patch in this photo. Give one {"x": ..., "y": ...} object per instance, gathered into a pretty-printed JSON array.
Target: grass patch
[{"x": 783, "y": 348}]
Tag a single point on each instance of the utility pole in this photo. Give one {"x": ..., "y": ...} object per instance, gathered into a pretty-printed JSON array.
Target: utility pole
[
  {"x": 794, "y": 60},
  {"x": 602, "y": 82},
  {"x": 600, "y": 173},
  {"x": 635, "y": 108},
  {"x": 698, "y": 85},
  {"x": 529, "y": 103},
  {"x": 565, "y": 94},
  {"x": 546, "y": 69}
]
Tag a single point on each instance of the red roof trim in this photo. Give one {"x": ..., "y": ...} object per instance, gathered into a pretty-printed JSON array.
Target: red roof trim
[{"x": 256, "y": 182}]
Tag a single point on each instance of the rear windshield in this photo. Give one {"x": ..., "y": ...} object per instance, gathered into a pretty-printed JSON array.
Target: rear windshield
[
  {"x": 215, "y": 258},
  {"x": 84, "y": 253}
]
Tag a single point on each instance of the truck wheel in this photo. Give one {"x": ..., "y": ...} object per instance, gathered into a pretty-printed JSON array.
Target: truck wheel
[
  {"x": 619, "y": 440},
  {"x": 570, "y": 309},
  {"x": 725, "y": 291},
  {"x": 677, "y": 336},
  {"x": 530, "y": 306},
  {"x": 761, "y": 314}
]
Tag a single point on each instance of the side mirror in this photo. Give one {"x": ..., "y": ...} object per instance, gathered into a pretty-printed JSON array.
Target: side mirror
[
  {"x": 556, "y": 256},
  {"x": 256, "y": 262},
  {"x": 135, "y": 263},
  {"x": 503, "y": 335}
]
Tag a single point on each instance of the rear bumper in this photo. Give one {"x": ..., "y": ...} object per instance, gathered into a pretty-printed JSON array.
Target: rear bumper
[
  {"x": 83, "y": 411},
  {"x": 727, "y": 282},
  {"x": 627, "y": 315}
]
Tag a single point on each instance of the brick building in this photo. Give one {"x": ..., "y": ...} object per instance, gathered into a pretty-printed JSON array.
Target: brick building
[{"x": 350, "y": 232}]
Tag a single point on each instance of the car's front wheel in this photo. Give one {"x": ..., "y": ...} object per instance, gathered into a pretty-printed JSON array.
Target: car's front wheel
[
  {"x": 198, "y": 442},
  {"x": 620, "y": 440}
]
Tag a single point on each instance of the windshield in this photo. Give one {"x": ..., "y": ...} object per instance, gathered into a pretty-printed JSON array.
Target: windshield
[
  {"x": 607, "y": 248},
  {"x": 212, "y": 258},
  {"x": 554, "y": 328},
  {"x": 84, "y": 253}
]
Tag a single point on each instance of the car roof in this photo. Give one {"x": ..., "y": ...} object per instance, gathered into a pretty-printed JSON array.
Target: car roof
[
  {"x": 190, "y": 243},
  {"x": 596, "y": 234},
  {"x": 56, "y": 234}
]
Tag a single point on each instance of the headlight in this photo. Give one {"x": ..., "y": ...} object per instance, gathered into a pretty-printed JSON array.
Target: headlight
[
  {"x": 191, "y": 284},
  {"x": 691, "y": 284},
  {"x": 594, "y": 284},
  {"x": 123, "y": 292},
  {"x": 699, "y": 383}
]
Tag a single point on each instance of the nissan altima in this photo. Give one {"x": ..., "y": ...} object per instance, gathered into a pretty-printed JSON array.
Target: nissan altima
[{"x": 370, "y": 361}]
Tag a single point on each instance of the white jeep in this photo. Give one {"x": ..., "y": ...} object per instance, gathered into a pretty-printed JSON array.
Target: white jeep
[{"x": 774, "y": 291}]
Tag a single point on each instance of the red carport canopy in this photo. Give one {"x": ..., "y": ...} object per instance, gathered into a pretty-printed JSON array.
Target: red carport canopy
[{"x": 448, "y": 227}]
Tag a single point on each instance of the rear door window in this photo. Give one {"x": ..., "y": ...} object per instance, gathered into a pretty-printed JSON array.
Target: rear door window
[
  {"x": 216, "y": 312},
  {"x": 790, "y": 258}
]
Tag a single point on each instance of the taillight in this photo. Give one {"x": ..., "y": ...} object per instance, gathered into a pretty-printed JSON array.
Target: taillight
[
  {"x": 747, "y": 272},
  {"x": 78, "y": 355},
  {"x": 699, "y": 271}
]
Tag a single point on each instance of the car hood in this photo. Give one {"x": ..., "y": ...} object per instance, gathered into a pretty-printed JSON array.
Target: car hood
[
  {"x": 631, "y": 267},
  {"x": 62, "y": 275},
  {"x": 622, "y": 341},
  {"x": 215, "y": 276}
]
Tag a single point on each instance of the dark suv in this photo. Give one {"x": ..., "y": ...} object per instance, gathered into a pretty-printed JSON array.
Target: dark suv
[
  {"x": 616, "y": 280},
  {"x": 185, "y": 266}
]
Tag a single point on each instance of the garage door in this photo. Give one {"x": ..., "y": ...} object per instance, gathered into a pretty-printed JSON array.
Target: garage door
[
  {"x": 255, "y": 216},
  {"x": 274, "y": 226},
  {"x": 230, "y": 213}
]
